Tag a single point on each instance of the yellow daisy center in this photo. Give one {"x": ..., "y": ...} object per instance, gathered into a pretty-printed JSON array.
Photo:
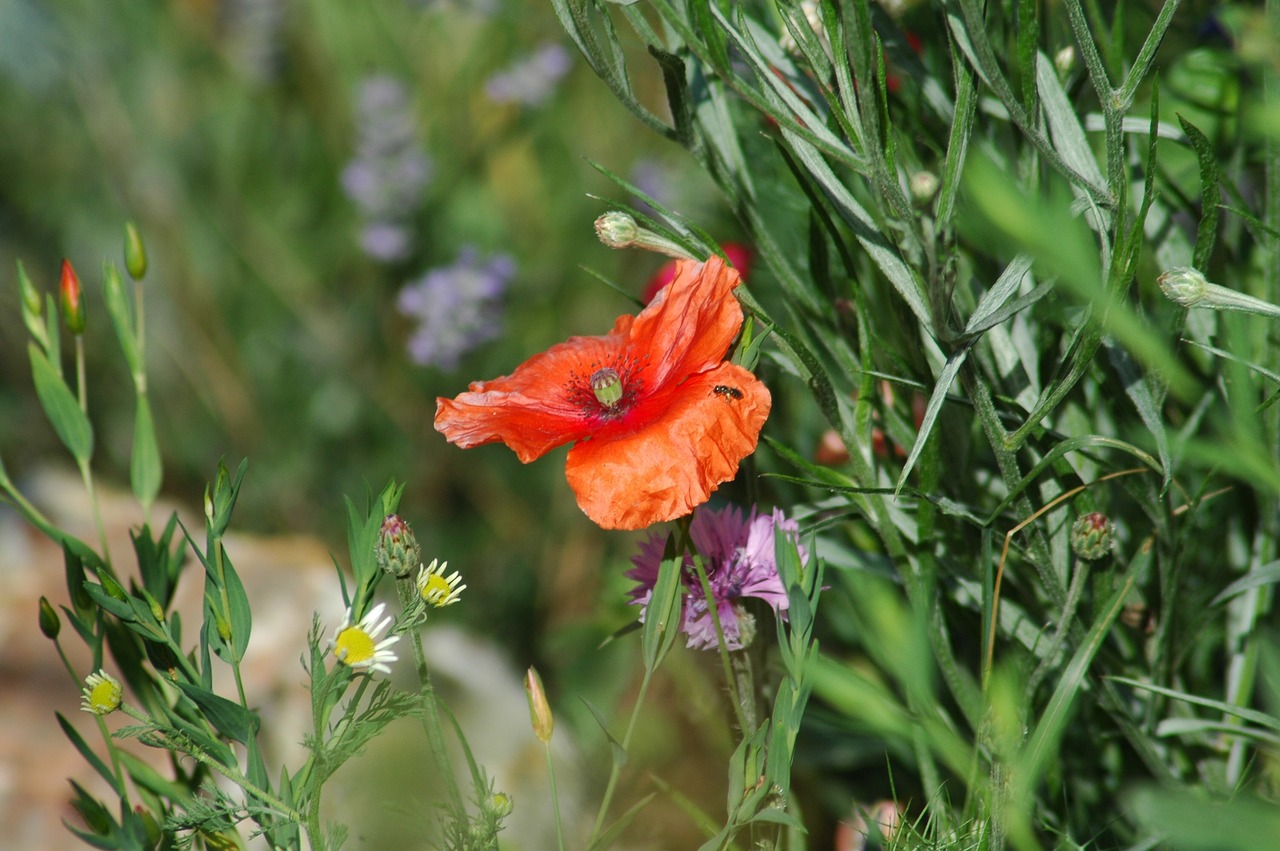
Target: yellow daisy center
[
  {"x": 435, "y": 589},
  {"x": 104, "y": 697},
  {"x": 353, "y": 646}
]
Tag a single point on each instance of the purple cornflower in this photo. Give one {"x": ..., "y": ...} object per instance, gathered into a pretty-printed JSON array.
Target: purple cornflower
[
  {"x": 386, "y": 177},
  {"x": 531, "y": 79},
  {"x": 738, "y": 555},
  {"x": 457, "y": 307}
]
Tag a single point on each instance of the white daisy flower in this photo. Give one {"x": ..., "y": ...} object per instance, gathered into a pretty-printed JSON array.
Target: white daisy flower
[
  {"x": 102, "y": 694},
  {"x": 357, "y": 646},
  {"x": 436, "y": 588}
]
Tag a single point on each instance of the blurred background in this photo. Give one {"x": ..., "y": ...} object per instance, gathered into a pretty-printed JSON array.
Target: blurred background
[{"x": 349, "y": 210}]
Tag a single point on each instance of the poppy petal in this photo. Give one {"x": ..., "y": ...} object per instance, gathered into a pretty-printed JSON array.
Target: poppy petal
[
  {"x": 531, "y": 410},
  {"x": 689, "y": 325},
  {"x": 672, "y": 464}
]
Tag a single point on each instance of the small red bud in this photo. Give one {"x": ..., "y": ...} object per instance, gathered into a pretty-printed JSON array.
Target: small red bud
[{"x": 71, "y": 299}]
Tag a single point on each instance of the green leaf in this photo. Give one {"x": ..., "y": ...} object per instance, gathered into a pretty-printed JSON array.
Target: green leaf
[
  {"x": 663, "y": 614},
  {"x": 87, "y": 752},
  {"x": 1207, "y": 229},
  {"x": 618, "y": 751},
  {"x": 610, "y": 834},
  {"x": 1188, "y": 819},
  {"x": 230, "y": 719},
  {"x": 1064, "y": 124},
  {"x": 1253, "y": 716},
  {"x": 940, "y": 390},
  {"x": 1266, "y": 574},
  {"x": 144, "y": 462},
  {"x": 121, "y": 317},
  {"x": 60, "y": 406}
]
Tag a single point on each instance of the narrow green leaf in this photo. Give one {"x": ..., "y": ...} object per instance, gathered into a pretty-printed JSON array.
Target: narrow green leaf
[
  {"x": 663, "y": 615},
  {"x": 1253, "y": 716},
  {"x": 1064, "y": 124},
  {"x": 144, "y": 462},
  {"x": 60, "y": 406},
  {"x": 121, "y": 317},
  {"x": 610, "y": 834},
  {"x": 1207, "y": 229},
  {"x": 992, "y": 300},
  {"x": 87, "y": 752},
  {"x": 619, "y": 752},
  {"x": 1266, "y": 574},
  {"x": 1049, "y": 728},
  {"x": 1138, "y": 388},
  {"x": 940, "y": 390}
]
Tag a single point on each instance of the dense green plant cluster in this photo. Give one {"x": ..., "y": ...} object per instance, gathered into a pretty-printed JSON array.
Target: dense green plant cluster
[{"x": 1016, "y": 274}]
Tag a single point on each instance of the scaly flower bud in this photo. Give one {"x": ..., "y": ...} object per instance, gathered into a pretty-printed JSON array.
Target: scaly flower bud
[
  {"x": 135, "y": 255},
  {"x": 71, "y": 299},
  {"x": 1092, "y": 536},
  {"x": 1188, "y": 287},
  {"x": 619, "y": 230},
  {"x": 397, "y": 550},
  {"x": 539, "y": 710}
]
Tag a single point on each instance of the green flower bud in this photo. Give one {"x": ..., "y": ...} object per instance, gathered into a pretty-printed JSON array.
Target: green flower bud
[
  {"x": 499, "y": 805},
  {"x": 1092, "y": 536},
  {"x": 1183, "y": 285},
  {"x": 135, "y": 255},
  {"x": 30, "y": 296},
  {"x": 924, "y": 185},
  {"x": 397, "y": 551},
  {"x": 50, "y": 623},
  {"x": 617, "y": 230},
  {"x": 539, "y": 709}
]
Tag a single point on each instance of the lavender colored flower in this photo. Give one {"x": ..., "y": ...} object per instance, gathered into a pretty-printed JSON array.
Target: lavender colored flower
[
  {"x": 390, "y": 170},
  {"x": 738, "y": 556},
  {"x": 457, "y": 307},
  {"x": 530, "y": 80}
]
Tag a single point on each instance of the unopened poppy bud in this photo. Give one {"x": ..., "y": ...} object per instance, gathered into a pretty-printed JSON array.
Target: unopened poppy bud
[
  {"x": 135, "y": 255},
  {"x": 50, "y": 623},
  {"x": 539, "y": 709},
  {"x": 71, "y": 299},
  {"x": 397, "y": 551},
  {"x": 924, "y": 185},
  {"x": 606, "y": 384},
  {"x": 1183, "y": 285},
  {"x": 1092, "y": 536}
]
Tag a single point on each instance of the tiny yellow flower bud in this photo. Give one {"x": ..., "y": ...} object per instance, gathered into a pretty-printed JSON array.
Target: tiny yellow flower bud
[{"x": 539, "y": 710}]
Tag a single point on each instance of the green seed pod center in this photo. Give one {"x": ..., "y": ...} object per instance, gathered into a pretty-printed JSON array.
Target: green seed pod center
[{"x": 606, "y": 384}]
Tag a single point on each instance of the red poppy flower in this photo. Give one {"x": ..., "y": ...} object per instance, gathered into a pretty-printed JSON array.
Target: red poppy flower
[
  {"x": 739, "y": 256},
  {"x": 660, "y": 419}
]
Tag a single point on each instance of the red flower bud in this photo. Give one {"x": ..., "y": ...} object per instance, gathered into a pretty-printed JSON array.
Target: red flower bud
[{"x": 71, "y": 299}]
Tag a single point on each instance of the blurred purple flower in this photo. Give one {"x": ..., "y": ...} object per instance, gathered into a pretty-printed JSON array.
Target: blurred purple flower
[
  {"x": 457, "y": 307},
  {"x": 738, "y": 554},
  {"x": 390, "y": 170},
  {"x": 255, "y": 34},
  {"x": 531, "y": 79}
]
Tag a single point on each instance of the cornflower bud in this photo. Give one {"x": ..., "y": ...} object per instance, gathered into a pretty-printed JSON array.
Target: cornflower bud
[
  {"x": 539, "y": 710},
  {"x": 71, "y": 299},
  {"x": 619, "y": 230},
  {"x": 1092, "y": 536},
  {"x": 397, "y": 551},
  {"x": 1189, "y": 288},
  {"x": 135, "y": 255}
]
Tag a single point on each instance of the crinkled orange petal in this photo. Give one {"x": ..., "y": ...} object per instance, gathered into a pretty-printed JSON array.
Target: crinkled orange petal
[
  {"x": 530, "y": 410},
  {"x": 689, "y": 325},
  {"x": 671, "y": 465}
]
